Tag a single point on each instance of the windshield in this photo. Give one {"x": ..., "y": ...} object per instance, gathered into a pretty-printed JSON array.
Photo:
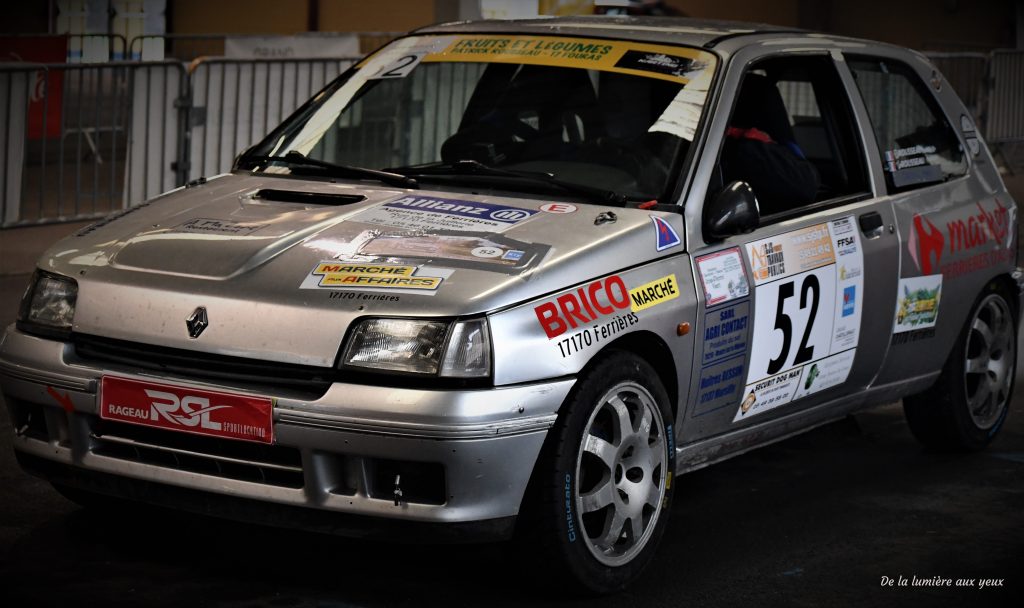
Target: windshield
[{"x": 613, "y": 115}]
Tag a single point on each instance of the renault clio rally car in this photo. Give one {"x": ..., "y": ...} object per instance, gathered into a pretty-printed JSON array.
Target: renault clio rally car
[{"x": 512, "y": 277}]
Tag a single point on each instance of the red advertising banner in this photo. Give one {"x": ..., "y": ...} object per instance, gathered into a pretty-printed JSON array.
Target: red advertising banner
[
  {"x": 189, "y": 410},
  {"x": 45, "y": 87}
]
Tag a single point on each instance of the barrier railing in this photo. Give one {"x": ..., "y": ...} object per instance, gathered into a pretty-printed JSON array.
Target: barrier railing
[
  {"x": 235, "y": 102},
  {"x": 1005, "y": 119},
  {"x": 82, "y": 140}
]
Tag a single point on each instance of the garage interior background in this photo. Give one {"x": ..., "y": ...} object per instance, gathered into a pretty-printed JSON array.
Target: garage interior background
[{"x": 104, "y": 103}]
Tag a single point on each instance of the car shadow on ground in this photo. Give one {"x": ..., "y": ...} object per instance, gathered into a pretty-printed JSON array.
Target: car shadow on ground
[{"x": 817, "y": 519}]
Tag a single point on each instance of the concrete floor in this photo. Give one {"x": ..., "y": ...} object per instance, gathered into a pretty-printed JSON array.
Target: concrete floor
[{"x": 817, "y": 520}]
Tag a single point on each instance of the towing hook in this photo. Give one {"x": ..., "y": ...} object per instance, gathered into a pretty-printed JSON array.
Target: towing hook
[{"x": 398, "y": 490}]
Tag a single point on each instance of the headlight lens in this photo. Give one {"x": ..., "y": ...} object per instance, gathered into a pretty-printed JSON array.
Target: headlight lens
[
  {"x": 436, "y": 348},
  {"x": 50, "y": 301}
]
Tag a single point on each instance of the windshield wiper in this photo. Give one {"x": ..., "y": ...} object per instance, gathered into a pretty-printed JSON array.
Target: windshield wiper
[
  {"x": 298, "y": 159},
  {"x": 477, "y": 168}
]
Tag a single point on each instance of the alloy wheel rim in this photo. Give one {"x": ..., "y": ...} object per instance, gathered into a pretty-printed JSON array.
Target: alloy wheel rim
[
  {"x": 989, "y": 362},
  {"x": 620, "y": 473}
]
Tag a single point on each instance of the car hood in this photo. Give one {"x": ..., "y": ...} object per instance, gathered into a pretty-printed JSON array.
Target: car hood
[{"x": 283, "y": 266}]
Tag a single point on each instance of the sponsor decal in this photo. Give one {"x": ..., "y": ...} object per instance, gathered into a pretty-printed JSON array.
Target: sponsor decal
[
  {"x": 805, "y": 315},
  {"x": 653, "y": 61},
  {"x": 204, "y": 225},
  {"x": 917, "y": 303},
  {"x": 665, "y": 234},
  {"x": 570, "y": 310},
  {"x": 849, "y": 300},
  {"x": 725, "y": 333},
  {"x": 431, "y": 214},
  {"x": 767, "y": 260},
  {"x": 480, "y": 251},
  {"x": 662, "y": 63},
  {"x": 908, "y": 337},
  {"x": 558, "y": 208},
  {"x": 588, "y": 336},
  {"x": 962, "y": 235},
  {"x": 340, "y": 275},
  {"x": 720, "y": 385},
  {"x": 723, "y": 277},
  {"x": 188, "y": 410},
  {"x": 723, "y": 358},
  {"x": 654, "y": 293}
]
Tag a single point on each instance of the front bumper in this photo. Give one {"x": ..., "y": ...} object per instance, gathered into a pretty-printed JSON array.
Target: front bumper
[{"x": 464, "y": 456}]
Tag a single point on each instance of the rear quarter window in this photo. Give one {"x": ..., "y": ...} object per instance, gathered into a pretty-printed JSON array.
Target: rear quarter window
[{"x": 917, "y": 144}]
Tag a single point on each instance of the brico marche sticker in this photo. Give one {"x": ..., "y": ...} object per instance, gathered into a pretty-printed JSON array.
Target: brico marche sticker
[
  {"x": 376, "y": 277},
  {"x": 809, "y": 289}
]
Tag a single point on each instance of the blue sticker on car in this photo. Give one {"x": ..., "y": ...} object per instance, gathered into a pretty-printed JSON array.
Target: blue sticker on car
[
  {"x": 667, "y": 237},
  {"x": 849, "y": 300}
]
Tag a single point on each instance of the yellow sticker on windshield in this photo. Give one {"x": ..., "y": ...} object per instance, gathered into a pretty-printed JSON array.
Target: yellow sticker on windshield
[{"x": 674, "y": 63}]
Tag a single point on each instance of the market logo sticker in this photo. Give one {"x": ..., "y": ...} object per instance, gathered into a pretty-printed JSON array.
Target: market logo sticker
[
  {"x": 666, "y": 235},
  {"x": 376, "y": 276},
  {"x": 927, "y": 243},
  {"x": 654, "y": 293},
  {"x": 587, "y": 304}
]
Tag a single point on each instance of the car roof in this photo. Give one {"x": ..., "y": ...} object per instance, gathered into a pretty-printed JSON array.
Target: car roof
[{"x": 670, "y": 30}]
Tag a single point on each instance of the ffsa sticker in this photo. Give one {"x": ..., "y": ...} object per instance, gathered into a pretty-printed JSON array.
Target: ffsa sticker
[{"x": 809, "y": 287}]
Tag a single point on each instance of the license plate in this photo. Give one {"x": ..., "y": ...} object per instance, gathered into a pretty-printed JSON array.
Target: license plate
[{"x": 188, "y": 410}]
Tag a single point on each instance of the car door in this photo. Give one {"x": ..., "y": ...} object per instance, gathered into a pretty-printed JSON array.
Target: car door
[{"x": 810, "y": 316}]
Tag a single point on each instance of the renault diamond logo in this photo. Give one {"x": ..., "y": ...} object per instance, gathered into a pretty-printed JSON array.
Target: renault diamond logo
[{"x": 197, "y": 322}]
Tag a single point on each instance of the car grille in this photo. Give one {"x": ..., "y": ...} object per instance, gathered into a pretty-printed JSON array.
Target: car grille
[
  {"x": 189, "y": 364},
  {"x": 268, "y": 464}
]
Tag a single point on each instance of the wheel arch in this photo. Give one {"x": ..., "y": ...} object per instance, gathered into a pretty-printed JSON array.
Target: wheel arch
[{"x": 651, "y": 348}]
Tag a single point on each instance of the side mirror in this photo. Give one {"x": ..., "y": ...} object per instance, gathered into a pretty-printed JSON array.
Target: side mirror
[{"x": 732, "y": 211}]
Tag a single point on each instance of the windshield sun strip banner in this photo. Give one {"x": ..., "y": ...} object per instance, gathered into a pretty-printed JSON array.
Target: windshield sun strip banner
[{"x": 673, "y": 63}]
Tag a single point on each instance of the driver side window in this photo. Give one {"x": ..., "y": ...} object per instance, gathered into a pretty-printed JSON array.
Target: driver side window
[{"x": 791, "y": 137}]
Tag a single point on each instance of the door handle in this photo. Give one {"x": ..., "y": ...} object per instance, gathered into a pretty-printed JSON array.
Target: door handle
[{"x": 871, "y": 224}]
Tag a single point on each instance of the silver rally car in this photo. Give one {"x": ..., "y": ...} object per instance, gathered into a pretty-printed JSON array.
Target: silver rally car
[{"x": 511, "y": 277}]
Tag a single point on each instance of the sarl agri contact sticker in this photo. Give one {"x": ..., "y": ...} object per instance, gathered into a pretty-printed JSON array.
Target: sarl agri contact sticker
[{"x": 809, "y": 287}]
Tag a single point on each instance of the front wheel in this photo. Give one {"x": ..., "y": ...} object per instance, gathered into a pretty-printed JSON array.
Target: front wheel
[
  {"x": 968, "y": 404},
  {"x": 608, "y": 475}
]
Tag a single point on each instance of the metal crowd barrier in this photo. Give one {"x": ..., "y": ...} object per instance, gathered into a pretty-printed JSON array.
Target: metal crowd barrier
[
  {"x": 235, "y": 102},
  {"x": 82, "y": 140},
  {"x": 1005, "y": 119}
]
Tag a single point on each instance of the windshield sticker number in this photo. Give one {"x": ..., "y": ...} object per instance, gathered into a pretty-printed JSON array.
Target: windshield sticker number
[
  {"x": 808, "y": 294},
  {"x": 400, "y": 68}
]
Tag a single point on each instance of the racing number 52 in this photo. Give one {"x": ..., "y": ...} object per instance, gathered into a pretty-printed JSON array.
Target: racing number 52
[{"x": 783, "y": 323}]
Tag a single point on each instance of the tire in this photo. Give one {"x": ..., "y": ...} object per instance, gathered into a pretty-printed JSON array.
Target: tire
[
  {"x": 966, "y": 407},
  {"x": 604, "y": 479}
]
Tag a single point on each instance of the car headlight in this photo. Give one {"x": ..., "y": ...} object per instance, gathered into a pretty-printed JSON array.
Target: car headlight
[
  {"x": 459, "y": 349},
  {"x": 49, "y": 302}
]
